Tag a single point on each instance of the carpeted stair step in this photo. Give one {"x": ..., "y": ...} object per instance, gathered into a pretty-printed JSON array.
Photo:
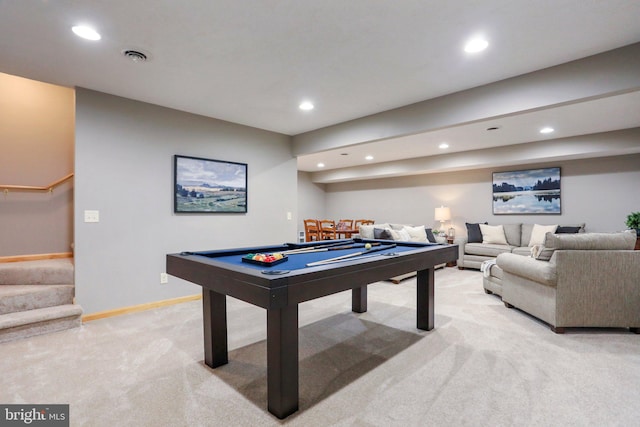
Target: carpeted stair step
[
  {"x": 36, "y": 297},
  {"x": 38, "y": 272},
  {"x": 15, "y": 298},
  {"x": 39, "y": 321}
]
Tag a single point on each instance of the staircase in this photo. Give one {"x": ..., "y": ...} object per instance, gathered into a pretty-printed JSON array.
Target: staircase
[{"x": 36, "y": 297}]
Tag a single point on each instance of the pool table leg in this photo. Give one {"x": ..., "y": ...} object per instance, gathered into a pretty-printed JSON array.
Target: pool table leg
[
  {"x": 214, "y": 317},
  {"x": 282, "y": 360},
  {"x": 425, "y": 304},
  {"x": 359, "y": 299}
]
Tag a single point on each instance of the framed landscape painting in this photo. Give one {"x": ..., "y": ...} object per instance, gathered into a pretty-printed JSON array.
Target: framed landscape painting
[
  {"x": 209, "y": 186},
  {"x": 533, "y": 191}
]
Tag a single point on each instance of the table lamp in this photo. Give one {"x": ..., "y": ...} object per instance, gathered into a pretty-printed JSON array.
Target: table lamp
[{"x": 442, "y": 214}]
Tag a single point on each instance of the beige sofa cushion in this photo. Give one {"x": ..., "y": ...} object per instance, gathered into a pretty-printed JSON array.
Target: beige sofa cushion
[
  {"x": 486, "y": 249},
  {"x": 513, "y": 233},
  {"x": 493, "y": 234},
  {"x": 532, "y": 269},
  {"x": 524, "y": 251}
]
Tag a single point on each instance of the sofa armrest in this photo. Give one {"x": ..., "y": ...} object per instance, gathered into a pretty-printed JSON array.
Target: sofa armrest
[
  {"x": 543, "y": 272},
  {"x": 598, "y": 287},
  {"x": 461, "y": 242}
]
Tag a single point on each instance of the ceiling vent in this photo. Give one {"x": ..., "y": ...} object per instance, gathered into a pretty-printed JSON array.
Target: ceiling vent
[{"x": 134, "y": 55}]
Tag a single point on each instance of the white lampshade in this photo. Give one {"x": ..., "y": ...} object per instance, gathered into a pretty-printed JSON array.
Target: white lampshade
[{"x": 443, "y": 213}]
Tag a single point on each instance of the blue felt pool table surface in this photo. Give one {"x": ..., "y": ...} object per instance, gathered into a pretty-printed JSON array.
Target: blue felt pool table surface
[{"x": 297, "y": 261}]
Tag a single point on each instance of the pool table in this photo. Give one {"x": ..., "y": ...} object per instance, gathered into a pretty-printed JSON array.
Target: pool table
[{"x": 280, "y": 288}]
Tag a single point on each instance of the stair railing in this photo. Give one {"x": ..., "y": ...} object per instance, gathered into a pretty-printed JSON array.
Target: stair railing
[{"x": 49, "y": 188}]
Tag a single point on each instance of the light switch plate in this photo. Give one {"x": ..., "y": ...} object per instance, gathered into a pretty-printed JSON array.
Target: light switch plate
[{"x": 91, "y": 216}]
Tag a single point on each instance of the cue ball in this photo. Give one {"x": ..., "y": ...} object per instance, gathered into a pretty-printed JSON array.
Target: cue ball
[{"x": 367, "y": 246}]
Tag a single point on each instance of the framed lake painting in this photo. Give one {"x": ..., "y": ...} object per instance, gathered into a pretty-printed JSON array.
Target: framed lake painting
[
  {"x": 532, "y": 191},
  {"x": 209, "y": 186}
]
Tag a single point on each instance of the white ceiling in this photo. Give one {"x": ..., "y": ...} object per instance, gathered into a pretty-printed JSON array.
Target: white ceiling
[
  {"x": 622, "y": 112},
  {"x": 253, "y": 62}
]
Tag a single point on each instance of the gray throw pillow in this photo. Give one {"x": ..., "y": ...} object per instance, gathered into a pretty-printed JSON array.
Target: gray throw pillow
[
  {"x": 382, "y": 234},
  {"x": 430, "y": 236},
  {"x": 474, "y": 235},
  {"x": 567, "y": 230}
]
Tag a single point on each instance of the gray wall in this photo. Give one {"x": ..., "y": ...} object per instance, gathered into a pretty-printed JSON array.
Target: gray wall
[
  {"x": 599, "y": 192},
  {"x": 124, "y": 169},
  {"x": 311, "y": 199}
]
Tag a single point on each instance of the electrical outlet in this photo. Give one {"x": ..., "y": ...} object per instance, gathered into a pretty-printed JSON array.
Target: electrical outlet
[
  {"x": 164, "y": 278},
  {"x": 289, "y": 216}
]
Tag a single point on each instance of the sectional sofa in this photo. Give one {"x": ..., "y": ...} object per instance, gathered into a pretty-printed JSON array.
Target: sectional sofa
[
  {"x": 406, "y": 232},
  {"x": 389, "y": 231},
  {"x": 504, "y": 238},
  {"x": 573, "y": 280}
]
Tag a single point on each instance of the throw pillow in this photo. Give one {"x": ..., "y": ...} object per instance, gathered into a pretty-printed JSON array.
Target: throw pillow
[
  {"x": 567, "y": 229},
  {"x": 366, "y": 231},
  {"x": 393, "y": 234},
  {"x": 416, "y": 234},
  {"x": 389, "y": 234},
  {"x": 382, "y": 233},
  {"x": 403, "y": 235},
  {"x": 430, "y": 236},
  {"x": 493, "y": 234},
  {"x": 539, "y": 231},
  {"x": 474, "y": 235}
]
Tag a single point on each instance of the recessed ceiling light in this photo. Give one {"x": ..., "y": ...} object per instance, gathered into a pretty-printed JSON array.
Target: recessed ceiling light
[
  {"x": 344, "y": 154},
  {"x": 306, "y": 106},
  {"x": 493, "y": 128},
  {"x": 320, "y": 165},
  {"x": 86, "y": 32},
  {"x": 369, "y": 157},
  {"x": 443, "y": 146},
  {"x": 546, "y": 130},
  {"x": 477, "y": 44}
]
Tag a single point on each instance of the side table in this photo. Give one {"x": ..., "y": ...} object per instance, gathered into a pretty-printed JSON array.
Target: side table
[{"x": 452, "y": 263}]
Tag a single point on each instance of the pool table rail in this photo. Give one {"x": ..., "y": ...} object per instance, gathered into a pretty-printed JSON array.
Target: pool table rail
[{"x": 275, "y": 291}]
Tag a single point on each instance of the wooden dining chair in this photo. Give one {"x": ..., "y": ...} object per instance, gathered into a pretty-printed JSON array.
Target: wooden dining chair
[
  {"x": 346, "y": 223},
  {"x": 328, "y": 229},
  {"x": 345, "y": 228},
  {"x": 360, "y": 222},
  {"x": 312, "y": 230}
]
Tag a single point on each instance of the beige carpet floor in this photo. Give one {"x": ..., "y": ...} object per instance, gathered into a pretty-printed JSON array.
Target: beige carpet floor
[{"x": 483, "y": 365}]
